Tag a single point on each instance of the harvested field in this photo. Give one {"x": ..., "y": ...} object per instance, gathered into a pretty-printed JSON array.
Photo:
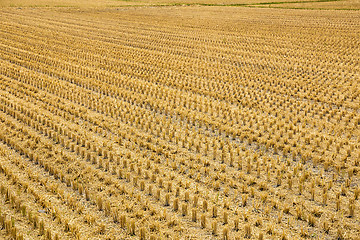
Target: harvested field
[{"x": 179, "y": 122}]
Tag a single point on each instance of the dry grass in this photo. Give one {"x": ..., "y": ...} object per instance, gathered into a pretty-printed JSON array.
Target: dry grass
[
  {"x": 340, "y": 5},
  {"x": 68, "y": 3},
  {"x": 179, "y": 123},
  {"x": 312, "y": 4}
]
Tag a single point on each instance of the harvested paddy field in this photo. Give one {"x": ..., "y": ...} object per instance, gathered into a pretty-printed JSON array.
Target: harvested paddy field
[{"x": 179, "y": 122}]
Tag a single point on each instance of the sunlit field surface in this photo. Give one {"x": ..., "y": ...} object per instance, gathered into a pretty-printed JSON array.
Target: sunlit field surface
[{"x": 179, "y": 121}]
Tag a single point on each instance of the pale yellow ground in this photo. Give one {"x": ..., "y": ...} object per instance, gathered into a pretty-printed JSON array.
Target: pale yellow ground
[
  {"x": 309, "y": 4},
  {"x": 275, "y": 63},
  {"x": 347, "y": 4}
]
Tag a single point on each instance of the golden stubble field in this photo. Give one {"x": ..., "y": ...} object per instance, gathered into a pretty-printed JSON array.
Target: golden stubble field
[{"x": 179, "y": 122}]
